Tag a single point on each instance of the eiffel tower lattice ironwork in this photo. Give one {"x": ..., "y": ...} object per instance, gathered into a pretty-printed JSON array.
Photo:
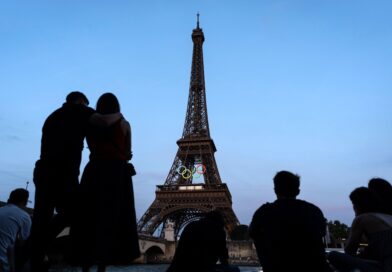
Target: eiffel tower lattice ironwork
[{"x": 181, "y": 199}]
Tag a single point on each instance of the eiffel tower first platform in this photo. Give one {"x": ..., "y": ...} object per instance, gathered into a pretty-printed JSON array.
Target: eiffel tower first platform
[{"x": 193, "y": 185}]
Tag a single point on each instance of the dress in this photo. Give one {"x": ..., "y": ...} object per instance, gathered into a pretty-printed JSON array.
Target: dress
[{"x": 105, "y": 228}]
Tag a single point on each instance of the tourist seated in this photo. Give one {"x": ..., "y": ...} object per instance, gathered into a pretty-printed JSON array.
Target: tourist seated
[
  {"x": 376, "y": 227},
  {"x": 201, "y": 246},
  {"x": 383, "y": 191},
  {"x": 15, "y": 225},
  {"x": 288, "y": 233}
]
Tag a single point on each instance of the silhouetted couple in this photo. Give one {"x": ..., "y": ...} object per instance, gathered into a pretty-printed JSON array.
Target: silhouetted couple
[
  {"x": 101, "y": 209},
  {"x": 373, "y": 221}
]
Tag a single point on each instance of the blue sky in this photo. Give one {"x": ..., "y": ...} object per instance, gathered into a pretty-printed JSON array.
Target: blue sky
[{"x": 303, "y": 86}]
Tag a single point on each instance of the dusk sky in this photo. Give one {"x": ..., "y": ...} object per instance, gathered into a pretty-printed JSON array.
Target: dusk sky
[{"x": 303, "y": 86}]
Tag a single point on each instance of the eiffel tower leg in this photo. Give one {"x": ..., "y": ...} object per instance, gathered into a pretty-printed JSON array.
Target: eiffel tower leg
[{"x": 147, "y": 224}]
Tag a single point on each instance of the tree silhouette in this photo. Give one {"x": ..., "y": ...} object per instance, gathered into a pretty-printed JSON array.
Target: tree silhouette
[{"x": 338, "y": 230}]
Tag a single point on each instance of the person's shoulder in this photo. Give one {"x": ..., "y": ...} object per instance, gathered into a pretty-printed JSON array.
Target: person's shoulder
[
  {"x": 89, "y": 110},
  {"x": 265, "y": 208},
  {"x": 25, "y": 217},
  {"x": 21, "y": 212},
  {"x": 267, "y": 205},
  {"x": 71, "y": 110},
  {"x": 309, "y": 206},
  {"x": 371, "y": 217},
  {"x": 55, "y": 114},
  {"x": 363, "y": 216},
  {"x": 4, "y": 209},
  {"x": 84, "y": 109},
  {"x": 125, "y": 125},
  {"x": 25, "y": 213},
  {"x": 359, "y": 220},
  {"x": 17, "y": 211},
  {"x": 77, "y": 108},
  {"x": 260, "y": 218},
  {"x": 58, "y": 111}
]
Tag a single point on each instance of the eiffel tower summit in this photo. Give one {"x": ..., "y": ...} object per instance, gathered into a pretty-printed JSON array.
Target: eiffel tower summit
[{"x": 193, "y": 185}]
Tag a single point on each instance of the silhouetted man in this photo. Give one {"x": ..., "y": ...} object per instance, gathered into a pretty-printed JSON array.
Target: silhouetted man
[
  {"x": 288, "y": 232},
  {"x": 15, "y": 225},
  {"x": 56, "y": 172},
  {"x": 201, "y": 245}
]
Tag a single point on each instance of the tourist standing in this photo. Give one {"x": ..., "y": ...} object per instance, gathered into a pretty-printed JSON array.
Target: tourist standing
[
  {"x": 105, "y": 231},
  {"x": 56, "y": 172},
  {"x": 288, "y": 233}
]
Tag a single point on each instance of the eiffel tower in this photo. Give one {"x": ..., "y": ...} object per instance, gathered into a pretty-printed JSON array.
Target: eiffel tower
[{"x": 193, "y": 185}]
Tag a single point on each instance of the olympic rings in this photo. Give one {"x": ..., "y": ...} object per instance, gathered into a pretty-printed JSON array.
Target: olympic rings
[
  {"x": 203, "y": 169},
  {"x": 187, "y": 173}
]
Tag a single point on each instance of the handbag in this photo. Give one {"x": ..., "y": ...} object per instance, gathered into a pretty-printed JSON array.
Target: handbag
[{"x": 131, "y": 169}]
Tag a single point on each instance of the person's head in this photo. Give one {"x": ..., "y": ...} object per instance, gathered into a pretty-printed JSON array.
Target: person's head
[
  {"x": 216, "y": 217},
  {"x": 364, "y": 201},
  {"x": 383, "y": 190},
  {"x": 76, "y": 98},
  {"x": 379, "y": 185},
  {"x": 107, "y": 104},
  {"x": 19, "y": 197},
  {"x": 286, "y": 184}
]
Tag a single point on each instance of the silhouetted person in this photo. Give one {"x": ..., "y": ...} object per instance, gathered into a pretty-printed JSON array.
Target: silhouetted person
[
  {"x": 383, "y": 191},
  {"x": 376, "y": 227},
  {"x": 201, "y": 245},
  {"x": 15, "y": 225},
  {"x": 105, "y": 231},
  {"x": 56, "y": 172},
  {"x": 288, "y": 232}
]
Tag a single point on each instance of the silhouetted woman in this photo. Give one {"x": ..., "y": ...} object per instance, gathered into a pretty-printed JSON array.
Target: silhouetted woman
[
  {"x": 383, "y": 191},
  {"x": 104, "y": 232}
]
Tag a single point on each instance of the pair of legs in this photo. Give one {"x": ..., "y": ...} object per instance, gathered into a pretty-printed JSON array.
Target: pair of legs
[
  {"x": 347, "y": 263},
  {"x": 52, "y": 192}
]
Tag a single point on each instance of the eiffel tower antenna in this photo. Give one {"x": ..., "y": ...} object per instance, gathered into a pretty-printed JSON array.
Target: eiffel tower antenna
[{"x": 193, "y": 185}]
